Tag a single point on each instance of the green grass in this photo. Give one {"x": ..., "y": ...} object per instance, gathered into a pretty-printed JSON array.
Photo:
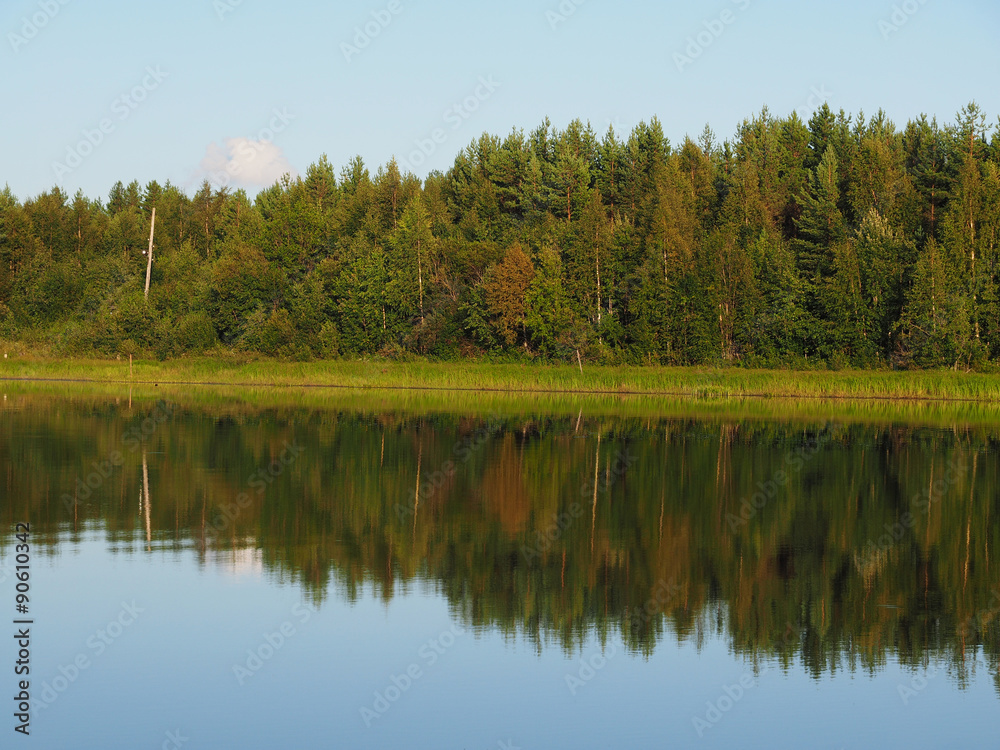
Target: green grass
[{"x": 514, "y": 378}]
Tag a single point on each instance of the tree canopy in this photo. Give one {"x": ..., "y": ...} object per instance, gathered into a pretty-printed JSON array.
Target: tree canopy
[{"x": 844, "y": 241}]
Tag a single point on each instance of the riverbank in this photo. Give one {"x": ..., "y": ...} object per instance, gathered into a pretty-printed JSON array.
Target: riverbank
[{"x": 516, "y": 378}]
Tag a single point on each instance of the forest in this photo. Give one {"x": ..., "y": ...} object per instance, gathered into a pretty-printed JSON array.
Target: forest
[{"x": 842, "y": 242}]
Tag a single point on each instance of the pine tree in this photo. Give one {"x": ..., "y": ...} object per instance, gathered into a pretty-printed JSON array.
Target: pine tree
[
  {"x": 570, "y": 187},
  {"x": 793, "y": 172},
  {"x": 608, "y": 170},
  {"x": 970, "y": 227},
  {"x": 821, "y": 128},
  {"x": 927, "y": 163},
  {"x": 412, "y": 245},
  {"x": 885, "y": 262},
  {"x": 821, "y": 233},
  {"x": 821, "y": 224},
  {"x": 547, "y": 314},
  {"x": 586, "y": 263},
  {"x": 699, "y": 174},
  {"x": 934, "y": 329}
]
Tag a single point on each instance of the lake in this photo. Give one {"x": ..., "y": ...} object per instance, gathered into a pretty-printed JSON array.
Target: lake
[{"x": 275, "y": 569}]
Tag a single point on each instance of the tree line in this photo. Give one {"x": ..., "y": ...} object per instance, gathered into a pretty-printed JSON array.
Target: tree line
[{"x": 844, "y": 241}]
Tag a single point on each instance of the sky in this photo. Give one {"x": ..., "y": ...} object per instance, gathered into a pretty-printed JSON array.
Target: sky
[{"x": 240, "y": 92}]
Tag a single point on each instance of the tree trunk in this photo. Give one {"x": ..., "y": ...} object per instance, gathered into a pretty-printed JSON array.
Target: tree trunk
[
  {"x": 597, "y": 263},
  {"x": 420, "y": 282}
]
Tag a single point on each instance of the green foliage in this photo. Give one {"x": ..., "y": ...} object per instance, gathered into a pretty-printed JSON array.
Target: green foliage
[
  {"x": 275, "y": 335},
  {"x": 329, "y": 340},
  {"x": 243, "y": 281},
  {"x": 878, "y": 545},
  {"x": 505, "y": 291},
  {"x": 192, "y": 333},
  {"x": 547, "y": 315},
  {"x": 838, "y": 241}
]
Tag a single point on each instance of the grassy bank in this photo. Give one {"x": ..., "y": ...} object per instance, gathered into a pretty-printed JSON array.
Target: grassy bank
[{"x": 513, "y": 378}]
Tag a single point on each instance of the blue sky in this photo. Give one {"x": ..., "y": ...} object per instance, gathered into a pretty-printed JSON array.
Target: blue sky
[{"x": 239, "y": 91}]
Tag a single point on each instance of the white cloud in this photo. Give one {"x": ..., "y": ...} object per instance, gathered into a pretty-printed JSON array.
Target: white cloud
[{"x": 244, "y": 163}]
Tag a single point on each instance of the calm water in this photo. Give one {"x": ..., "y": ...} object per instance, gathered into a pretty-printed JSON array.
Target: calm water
[{"x": 225, "y": 575}]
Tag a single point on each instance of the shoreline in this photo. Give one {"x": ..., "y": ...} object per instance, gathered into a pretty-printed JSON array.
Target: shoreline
[
  {"x": 520, "y": 379},
  {"x": 512, "y": 391}
]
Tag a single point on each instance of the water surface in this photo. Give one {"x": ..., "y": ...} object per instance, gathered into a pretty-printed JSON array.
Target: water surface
[{"x": 500, "y": 575}]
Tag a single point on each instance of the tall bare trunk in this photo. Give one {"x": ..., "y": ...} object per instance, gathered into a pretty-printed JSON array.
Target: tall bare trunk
[
  {"x": 597, "y": 265},
  {"x": 420, "y": 281}
]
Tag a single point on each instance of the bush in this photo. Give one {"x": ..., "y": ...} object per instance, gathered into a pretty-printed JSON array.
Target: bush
[
  {"x": 242, "y": 281},
  {"x": 329, "y": 340},
  {"x": 8, "y": 328},
  {"x": 274, "y": 335},
  {"x": 190, "y": 334}
]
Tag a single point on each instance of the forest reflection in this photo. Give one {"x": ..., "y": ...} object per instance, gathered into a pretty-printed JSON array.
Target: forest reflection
[{"x": 834, "y": 546}]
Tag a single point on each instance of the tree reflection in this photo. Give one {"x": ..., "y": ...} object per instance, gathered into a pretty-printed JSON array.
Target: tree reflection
[{"x": 833, "y": 546}]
